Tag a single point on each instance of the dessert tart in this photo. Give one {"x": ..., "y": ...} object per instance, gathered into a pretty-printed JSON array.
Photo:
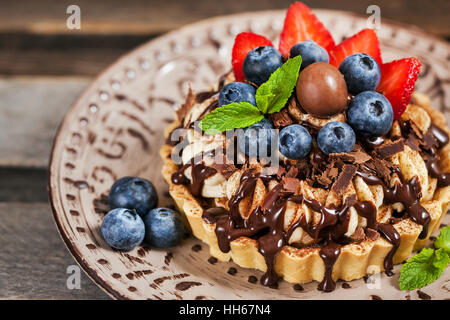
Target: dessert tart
[{"x": 330, "y": 209}]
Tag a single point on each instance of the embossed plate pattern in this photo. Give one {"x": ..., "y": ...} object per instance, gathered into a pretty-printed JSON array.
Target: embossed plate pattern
[{"x": 116, "y": 129}]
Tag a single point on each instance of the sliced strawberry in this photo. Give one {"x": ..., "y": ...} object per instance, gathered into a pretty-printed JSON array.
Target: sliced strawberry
[
  {"x": 245, "y": 42},
  {"x": 301, "y": 24},
  {"x": 365, "y": 41},
  {"x": 397, "y": 82}
]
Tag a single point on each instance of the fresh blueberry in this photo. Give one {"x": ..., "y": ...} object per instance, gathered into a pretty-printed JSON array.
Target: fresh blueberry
[
  {"x": 256, "y": 140},
  {"x": 123, "y": 229},
  {"x": 294, "y": 141},
  {"x": 237, "y": 92},
  {"x": 361, "y": 73},
  {"x": 133, "y": 193},
  {"x": 310, "y": 51},
  {"x": 163, "y": 227},
  {"x": 336, "y": 137},
  {"x": 370, "y": 114},
  {"x": 260, "y": 63}
]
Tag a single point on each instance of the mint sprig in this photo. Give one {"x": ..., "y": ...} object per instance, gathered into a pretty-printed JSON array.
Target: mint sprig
[
  {"x": 230, "y": 116},
  {"x": 428, "y": 265},
  {"x": 270, "y": 97},
  {"x": 443, "y": 240}
]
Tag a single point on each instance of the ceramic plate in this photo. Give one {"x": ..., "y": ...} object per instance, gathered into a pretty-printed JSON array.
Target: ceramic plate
[{"x": 116, "y": 129}]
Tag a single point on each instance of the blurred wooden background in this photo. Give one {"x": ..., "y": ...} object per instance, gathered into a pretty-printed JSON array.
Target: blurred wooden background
[{"x": 44, "y": 67}]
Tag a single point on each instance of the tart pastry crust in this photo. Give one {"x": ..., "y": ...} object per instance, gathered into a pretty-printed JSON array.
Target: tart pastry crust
[{"x": 356, "y": 259}]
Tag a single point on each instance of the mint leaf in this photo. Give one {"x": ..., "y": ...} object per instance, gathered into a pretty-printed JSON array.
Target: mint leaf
[
  {"x": 441, "y": 259},
  {"x": 230, "y": 116},
  {"x": 270, "y": 97},
  {"x": 443, "y": 240},
  {"x": 273, "y": 95},
  {"x": 423, "y": 268}
]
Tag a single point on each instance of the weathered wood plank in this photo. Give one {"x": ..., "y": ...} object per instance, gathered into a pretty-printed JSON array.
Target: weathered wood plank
[
  {"x": 156, "y": 16},
  {"x": 23, "y": 184},
  {"x": 31, "y": 109},
  {"x": 33, "y": 33},
  {"x": 62, "y": 54},
  {"x": 33, "y": 258}
]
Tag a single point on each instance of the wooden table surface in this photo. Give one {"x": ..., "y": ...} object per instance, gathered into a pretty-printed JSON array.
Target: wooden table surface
[{"x": 44, "y": 67}]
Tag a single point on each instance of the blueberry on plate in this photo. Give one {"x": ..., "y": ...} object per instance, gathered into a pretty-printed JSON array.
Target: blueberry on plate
[
  {"x": 336, "y": 137},
  {"x": 256, "y": 140},
  {"x": 370, "y": 114},
  {"x": 311, "y": 52},
  {"x": 164, "y": 228},
  {"x": 133, "y": 193},
  {"x": 123, "y": 229},
  {"x": 237, "y": 92},
  {"x": 260, "y": 63},
  {"x": 294, "y": 142},
  {"x": 361, "y": 73}
]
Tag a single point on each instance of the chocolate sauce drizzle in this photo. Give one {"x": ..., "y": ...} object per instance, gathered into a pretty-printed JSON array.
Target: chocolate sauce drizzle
[
  {"x": 266, "y": 223},
  {"x": 393, "y": 237},
  {"x": 407, "y": 193},
  {"x": 367, "y": 210},
  {"x": 199, "y": 173},
  {"x": 329, "y": 254},
  {"x": 431, "y": 159}
]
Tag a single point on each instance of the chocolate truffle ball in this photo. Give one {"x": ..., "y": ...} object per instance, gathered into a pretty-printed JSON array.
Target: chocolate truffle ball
[{"x": 321, "y": 90}]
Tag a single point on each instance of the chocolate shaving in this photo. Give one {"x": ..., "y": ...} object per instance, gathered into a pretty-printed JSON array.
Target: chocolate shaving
[
  {"x": 350, "y": 200},
  {"x": 333, "y": 172},
  {"x": 359, "y": 234},
  {"x": 303, "y": 169},
  {"x": 225, "y": 169},
  {"x": 416, "y": 129},
  {"x": 372, "y": 234},
  {"x": 281, "y": 119},
  {"x": 292, "y": 172},
  {"x": 291, "y": 184},
  {"x": 389, "y": 148},
  {"x": 221, "y": 163},
  {"x": 344, "y": 178},
  {"x": 412, "y": 142},
  {"x": 184, "y": 109},
  {"x": 357, "y": 157},
  {"x": 273, "y": 170},
  {"x": 381, "y": 167},
  {"x": 324, "y": 179},
  {"x": 281, "y": 172}
]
